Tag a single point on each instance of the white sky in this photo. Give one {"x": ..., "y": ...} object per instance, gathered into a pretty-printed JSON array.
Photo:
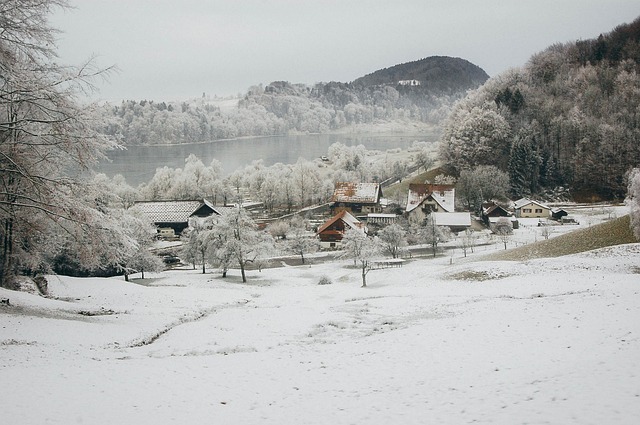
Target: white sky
[{"x": 171, "y": 50}]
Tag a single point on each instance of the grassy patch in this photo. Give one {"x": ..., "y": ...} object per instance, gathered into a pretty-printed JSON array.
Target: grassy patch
[
  {"x": 614, "y": 232},
  {"x": 476, "y": 275}
]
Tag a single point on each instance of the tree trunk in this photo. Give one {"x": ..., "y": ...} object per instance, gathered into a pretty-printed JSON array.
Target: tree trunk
[
  {"x": 302, "y": 256},
  {"x": 142, "y": 271},
  {"x": 244, "y": 278},
  {"x": 364, "y": 276},
  {"x": 126, "y": 277}
]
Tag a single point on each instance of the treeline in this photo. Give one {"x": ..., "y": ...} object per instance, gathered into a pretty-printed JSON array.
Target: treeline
[
  {"x": 282, "y": 107},
  {"x": 570, "y": 117}
]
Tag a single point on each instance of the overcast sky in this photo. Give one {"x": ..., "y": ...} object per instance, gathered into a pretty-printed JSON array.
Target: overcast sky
[{"x": 180, "y": 49}]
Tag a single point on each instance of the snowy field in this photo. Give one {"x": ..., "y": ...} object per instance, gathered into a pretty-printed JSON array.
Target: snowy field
[{"x": 549, "y": 341}]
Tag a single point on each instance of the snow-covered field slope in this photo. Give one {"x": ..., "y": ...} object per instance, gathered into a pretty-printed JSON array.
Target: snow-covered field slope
[{"x": 544, "y": 341}]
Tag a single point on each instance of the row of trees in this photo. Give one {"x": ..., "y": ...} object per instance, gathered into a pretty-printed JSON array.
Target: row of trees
[
  {"x": 280, "y": 186},
  {"x": 569, "y": 117}
]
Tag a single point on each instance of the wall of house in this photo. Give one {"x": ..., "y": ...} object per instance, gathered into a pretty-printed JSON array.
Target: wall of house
[{"x": 534, "y": 211}]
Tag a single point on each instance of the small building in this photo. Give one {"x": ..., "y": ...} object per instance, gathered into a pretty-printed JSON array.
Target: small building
[
  {"x": 455, "y": 221},
  {"x": 558, "y": 214},
  {"x": 424, "y": 199},
  {"x": 172, "y": 217},
  {"x": 526, "y": 208},
  {"x": 357, "y": 198},
  {"x": 491, "y": 210},
  {"x": 332, "y": 231},
  {"x": 382, "y": 219}
]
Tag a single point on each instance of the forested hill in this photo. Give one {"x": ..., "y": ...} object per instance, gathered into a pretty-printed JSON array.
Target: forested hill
[
  {"x": 570, "y": 117},
  {"x": 282, "y": 107},
  {"x": 435, "y": 75}
]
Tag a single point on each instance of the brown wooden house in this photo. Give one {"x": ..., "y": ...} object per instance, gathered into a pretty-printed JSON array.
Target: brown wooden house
[{"x": 332, "y": 231}]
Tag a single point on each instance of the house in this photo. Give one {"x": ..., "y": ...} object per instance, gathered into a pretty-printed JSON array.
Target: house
[
  {"x": 526, "y": 208},
  {"x": 456, "y": 221},
  {"x": 172, "y": 217},
  {"x": 332, "y": 231},
  {"x": 357, "y": 198},
  {"x": 423, "y": 199},
  {"x": 491, "y": 211}
]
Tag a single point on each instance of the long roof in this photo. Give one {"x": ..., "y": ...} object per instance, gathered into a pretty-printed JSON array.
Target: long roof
[
  {"x": 452, "y": 218},
  {"x": 172, "y": 211},
  {"x": 525, "y": 201},
  {"x": 346, "y": 217},
  {"x": 365, "y": 193}
]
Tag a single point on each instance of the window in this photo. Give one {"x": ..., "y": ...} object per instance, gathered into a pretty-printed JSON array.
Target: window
[
  {"x": 527, "y": 210},
  {"x": 538, "y": 210}
]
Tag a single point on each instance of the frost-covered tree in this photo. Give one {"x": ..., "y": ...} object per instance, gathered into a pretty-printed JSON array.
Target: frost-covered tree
[
  {"x": 432, "y": 234},
  {"x": 468, "y": 241},
  {"x": 46, "y": 140},
  {"x": 299, "y": 240},
  {"x": 142, "y": 233},
  {"x": 633, "y": 201},
  {"x": 240, "y": 240},
  {"x": 480, "y": 184},
  {"x": 393, "y": 238},
  {"x": 363, "y": 249}
]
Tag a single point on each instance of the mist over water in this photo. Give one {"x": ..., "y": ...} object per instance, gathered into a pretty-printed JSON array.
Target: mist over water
[{"x": 138, "y": 164}]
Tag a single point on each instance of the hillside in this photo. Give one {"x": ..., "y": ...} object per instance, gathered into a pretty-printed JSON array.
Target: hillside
[
  {"x": 435, "y": 74},
  {"x": 614, "y": 232},
  {"x": 569, "y": 117},
  {"x": 282, "y": 107}
]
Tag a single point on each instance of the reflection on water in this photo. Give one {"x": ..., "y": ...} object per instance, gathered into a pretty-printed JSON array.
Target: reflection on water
[{"x": 138, "y": 163}]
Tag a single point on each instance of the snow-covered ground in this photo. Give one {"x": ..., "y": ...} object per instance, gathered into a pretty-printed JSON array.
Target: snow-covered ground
[{"x": 544, "y": 341}]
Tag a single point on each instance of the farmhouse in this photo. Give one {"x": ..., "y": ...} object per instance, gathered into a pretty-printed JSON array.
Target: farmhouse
[
  {"x": 526, "y": 208},
  {"x": 172, "y": 217},
  {"x": 332, "y": 231},
  {"x": 423, "y": 199},
  {"x": 357, "y": 198}
]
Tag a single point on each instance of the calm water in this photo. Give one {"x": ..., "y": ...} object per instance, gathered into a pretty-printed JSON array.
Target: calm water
[{"x": 138, "y": 163}]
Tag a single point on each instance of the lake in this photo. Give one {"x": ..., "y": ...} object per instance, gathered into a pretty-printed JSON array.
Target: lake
[{"x": 138, "y": 163}]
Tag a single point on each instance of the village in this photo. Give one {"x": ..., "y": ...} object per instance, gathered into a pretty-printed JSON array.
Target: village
[{"x": 362, "y": 207}]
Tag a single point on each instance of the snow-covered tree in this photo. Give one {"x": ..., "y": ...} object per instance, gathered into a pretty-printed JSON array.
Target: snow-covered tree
[
  {"x": 468, "y": 241},
  {"x": 480, "y": 184},
  {"x": 393, "y": 239},
  {"x": 363, "y": 249},
  {"x": 433, "y": 234},
  {"x": 142, "y": 233},
  {"x": 46, "y": 140},
  {"x": 299, "y": 240},
  {"x": 240, "y": 240}
]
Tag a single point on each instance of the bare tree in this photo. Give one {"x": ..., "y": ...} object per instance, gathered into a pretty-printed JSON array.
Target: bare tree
[{"x": 503, "y": 229}]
